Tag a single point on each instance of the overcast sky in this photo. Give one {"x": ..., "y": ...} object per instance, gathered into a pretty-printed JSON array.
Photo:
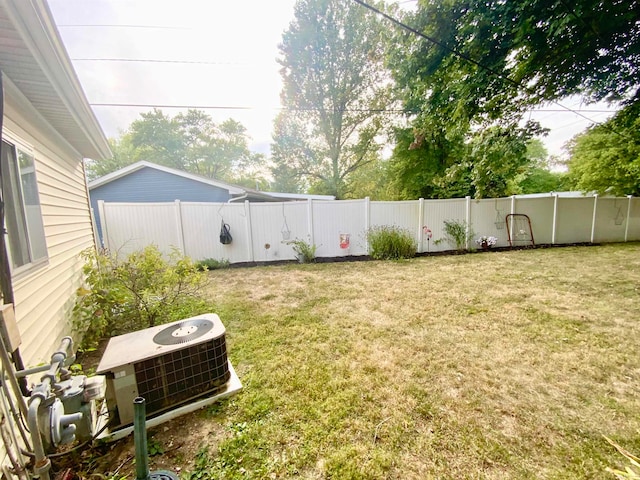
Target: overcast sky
[{"x": 233, "y": 46}]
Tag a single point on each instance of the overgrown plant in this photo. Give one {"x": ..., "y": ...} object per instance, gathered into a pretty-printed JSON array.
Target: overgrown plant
[
  {"x": 457, "y": 234},
  {"x": 211, "y": 264},
  {"x": 305, "y": 251},
  {"x": 390, "y": 243},
  {"x": 632, "y": 471},
  {"x": 140, "y": 291}
]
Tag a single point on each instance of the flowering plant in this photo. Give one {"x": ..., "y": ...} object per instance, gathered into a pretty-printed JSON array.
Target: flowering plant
[{"x": 486, "y": 242}]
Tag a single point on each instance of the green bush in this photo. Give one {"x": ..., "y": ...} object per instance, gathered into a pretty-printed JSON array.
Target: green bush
[
  {"x": 390, "y": 243},
  {"x": 305, "y": 252},
  {"x": 143, "y": 290},
  {"x": 211, "y": 264},
  {"x": 457, "y": 234}
]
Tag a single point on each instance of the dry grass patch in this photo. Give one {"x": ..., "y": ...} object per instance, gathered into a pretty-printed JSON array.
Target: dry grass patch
[{"x": 499, "y": 365}]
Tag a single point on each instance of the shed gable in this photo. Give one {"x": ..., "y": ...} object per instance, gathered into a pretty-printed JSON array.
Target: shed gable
[{"x": 152, "y": 185}]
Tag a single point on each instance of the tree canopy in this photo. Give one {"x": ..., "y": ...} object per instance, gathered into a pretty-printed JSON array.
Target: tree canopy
[
  {"x": 190, "y": 141},
  {"x": 479, "y": 65},
  {"x": 492, "y": 162},
  {"x": 335, "y": 88},
  {"x": 496, "y": 58},
  {"x": 606, "y": 158}
]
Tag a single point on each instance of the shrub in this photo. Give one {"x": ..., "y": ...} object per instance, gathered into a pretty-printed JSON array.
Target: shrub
[
  {"x": 457, "y": 234},
  {"x": 211, "y": 264},
  {"x": 305, "y": 252},
  {"x": 390, "y": 243},
  {"x": 141, "y": 291}
]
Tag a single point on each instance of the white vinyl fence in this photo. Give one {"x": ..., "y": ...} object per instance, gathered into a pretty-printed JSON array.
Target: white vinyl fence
[{"x": 260, "y": 231}]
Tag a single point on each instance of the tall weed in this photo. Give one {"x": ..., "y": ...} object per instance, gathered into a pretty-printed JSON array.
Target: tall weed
[
  {"x": 458, "y": 234},
  {"x": 390, "y": 243}
]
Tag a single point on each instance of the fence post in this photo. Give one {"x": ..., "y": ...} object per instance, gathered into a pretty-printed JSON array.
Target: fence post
[
  {"x": 103, "y": 225},
  {"x": 310, "y": 221},
  {"x": 593, "y": 221},
  {"x": 467, "y": 220},
  {"x": 626, "y": 227},
  {"x": 180, "y": 227},
  {"x": 420, "y": 220},
  {"x": 513, "y": 212},
  {"x": 249, "y": 230},
  {"x": 367, "y": 222},
  {"x": 555, "y": 219}
]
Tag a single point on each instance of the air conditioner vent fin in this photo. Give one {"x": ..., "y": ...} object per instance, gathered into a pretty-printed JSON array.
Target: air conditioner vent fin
[{"x": 183, "y": 374}]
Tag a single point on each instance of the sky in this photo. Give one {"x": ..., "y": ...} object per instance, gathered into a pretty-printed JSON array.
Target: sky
[{"x": 206, "y": 53}]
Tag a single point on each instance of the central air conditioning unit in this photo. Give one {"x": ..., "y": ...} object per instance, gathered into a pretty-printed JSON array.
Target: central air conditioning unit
[{"x": 168, "y": 365}]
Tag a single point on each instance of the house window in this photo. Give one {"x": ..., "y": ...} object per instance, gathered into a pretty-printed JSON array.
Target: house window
[{"x": 23, "y": 217}]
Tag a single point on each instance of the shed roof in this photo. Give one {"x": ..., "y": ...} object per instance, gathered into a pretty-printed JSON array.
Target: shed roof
[
  {"x": 134, "y": 167},
  {"x": 33, "y": 58}
]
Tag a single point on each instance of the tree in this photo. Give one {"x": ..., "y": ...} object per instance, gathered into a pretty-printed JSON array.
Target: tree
[
  {"x": 436, "y": 164},
  {"x": 157, "y": 138},
  {"x": 496, "y": 58},
  {"x": 189, "y": 141},
  {"x": 497, "y": 155},
  {"x": 420, "y": 162},
  {"x": 335, "y": 88},
  {"x": 122, "y": 151},
  {"x": 606, "y": 157},
  {"x": 492, "y": 60},
  {"x": 537, "y": 177}
]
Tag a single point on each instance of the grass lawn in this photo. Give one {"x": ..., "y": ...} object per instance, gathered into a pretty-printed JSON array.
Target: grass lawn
[{"x": 497, "y": 365}]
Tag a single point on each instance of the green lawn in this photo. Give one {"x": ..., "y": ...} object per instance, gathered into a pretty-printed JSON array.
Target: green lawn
[{"x": 496, "y": 365}]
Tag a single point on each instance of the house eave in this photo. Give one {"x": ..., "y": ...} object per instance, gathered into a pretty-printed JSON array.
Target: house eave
[{"x": 67, "y": 109}]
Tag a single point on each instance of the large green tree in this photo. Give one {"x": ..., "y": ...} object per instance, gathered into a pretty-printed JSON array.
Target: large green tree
[
  {"x": 495, "y": 58},
  {"x": 488, "y": 61},
  {"x": 190, "y": 141},
  {"x": 491, "y": 162},
  {"x": 537, "y": 177},
  {"x": 122, "y": 153},
  {"x": 606, "y": 157},
  {"x": 420, "y": 162},
  {"x": 335, "y": 89}
]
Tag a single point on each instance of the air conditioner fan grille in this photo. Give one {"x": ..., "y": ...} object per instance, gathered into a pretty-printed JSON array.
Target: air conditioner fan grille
[{"x": 178, "y": 376}]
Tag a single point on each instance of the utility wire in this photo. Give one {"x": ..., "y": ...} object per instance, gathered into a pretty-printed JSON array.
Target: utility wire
[
  {"x": 462, "y": 55},
  {"x": 152, "y": 60},
  {"x": 236, "y": 107},
  {"x": 157, "y": 27},
  {"x": 156, "y": 105}
]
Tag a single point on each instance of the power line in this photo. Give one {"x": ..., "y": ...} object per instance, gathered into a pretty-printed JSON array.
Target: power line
[
  {"x": 245, "y": 107},
  {"x": 157, "y": 105},
  {"x": 153, "y": 60},
  {"x": 235, "y": 107},
  {"x": 100, "y": 25},
  {"x": 570, "y": 111},
  {"x": 462, "y": 55}
]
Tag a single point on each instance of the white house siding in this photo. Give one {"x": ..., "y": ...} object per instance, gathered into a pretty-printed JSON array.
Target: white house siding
[{"x": 44, "y": 296}]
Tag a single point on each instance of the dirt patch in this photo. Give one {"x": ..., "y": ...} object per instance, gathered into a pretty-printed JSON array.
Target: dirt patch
[{"x": 172, "y": 446}]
